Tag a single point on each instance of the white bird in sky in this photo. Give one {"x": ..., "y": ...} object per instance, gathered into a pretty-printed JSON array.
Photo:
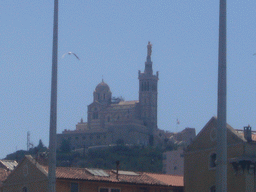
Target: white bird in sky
[{"x": 70, "y": 54}]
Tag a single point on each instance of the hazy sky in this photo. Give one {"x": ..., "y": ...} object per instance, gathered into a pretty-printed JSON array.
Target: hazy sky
[{"x": 110, "y": 37}]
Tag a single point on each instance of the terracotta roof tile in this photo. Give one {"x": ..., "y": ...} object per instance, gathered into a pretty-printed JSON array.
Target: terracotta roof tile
[
  {"x": 173, "y": 180},
  {"x": 140, "y": 178}
]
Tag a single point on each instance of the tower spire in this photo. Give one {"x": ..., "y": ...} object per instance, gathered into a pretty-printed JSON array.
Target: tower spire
[
  {"x": 148, "y": 96},
  {"x": 149, "y": 46}
]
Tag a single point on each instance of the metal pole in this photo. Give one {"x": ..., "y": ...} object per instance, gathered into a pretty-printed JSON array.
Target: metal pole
[
  {"x": 221, "y": 167},
  {"x": 53, "y": 112}
]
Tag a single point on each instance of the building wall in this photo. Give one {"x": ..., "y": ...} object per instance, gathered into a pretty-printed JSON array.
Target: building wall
[
  {"x": 85, "y": 186},
  {"x": 173, "y": 162},
  {"x": 200, "y": 167},
  {"x": 199, "y": 176},
  {"x": 187, "y": 135},
  {"x": 129, "y": 133},
  {"x": 27, "y": 175}
]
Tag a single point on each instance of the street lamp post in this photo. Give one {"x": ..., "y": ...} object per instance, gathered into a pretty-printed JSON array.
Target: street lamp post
[
  {"x": 221, "y": 153},
  {"x": 53, "y": 111}
]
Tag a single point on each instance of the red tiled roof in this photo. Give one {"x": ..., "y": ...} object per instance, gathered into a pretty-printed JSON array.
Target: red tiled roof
[
  {"x": 140, "y": 178},
  {"x": 241, "y": 134},
  {"x": 174, "y": 180}
]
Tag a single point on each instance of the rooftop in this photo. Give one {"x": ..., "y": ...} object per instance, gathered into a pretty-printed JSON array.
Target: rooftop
[
  {"x": 9, "y": 164},
  {"x": 128, "y": 177}
]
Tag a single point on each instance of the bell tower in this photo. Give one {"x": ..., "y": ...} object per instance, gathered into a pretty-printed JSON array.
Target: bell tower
[{"x": 148, "y": 93}]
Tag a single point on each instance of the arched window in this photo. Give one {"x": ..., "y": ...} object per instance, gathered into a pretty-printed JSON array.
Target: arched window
[
  {"x": 95, "y": 115},
  {"x": 212, "y": 160}
]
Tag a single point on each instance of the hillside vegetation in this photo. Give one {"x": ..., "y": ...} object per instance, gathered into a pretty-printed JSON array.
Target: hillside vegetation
[{"x": 134, "y": 158}]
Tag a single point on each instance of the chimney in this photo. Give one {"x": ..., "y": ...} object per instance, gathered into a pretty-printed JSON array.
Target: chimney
[
  {"x": 117, "y": 168},
  {"x": 248, "y": 133}
]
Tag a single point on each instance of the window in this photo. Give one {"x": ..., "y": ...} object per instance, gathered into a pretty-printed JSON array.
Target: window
[
  {"x": 74, "y": 187},
  {"x": 95, "y": 115},
  {"x": 213, "y": 188},
  {"x": 115, "y": 190},
  {"x": 212, "y": 160},
  {"x": 109, "y": 190},
  {"x": 24, "y": 189},
  {"x": 103, "y": 189}
]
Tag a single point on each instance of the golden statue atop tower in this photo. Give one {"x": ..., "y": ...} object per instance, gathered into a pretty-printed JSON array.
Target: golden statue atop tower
[{"x": 149, "y": 46}]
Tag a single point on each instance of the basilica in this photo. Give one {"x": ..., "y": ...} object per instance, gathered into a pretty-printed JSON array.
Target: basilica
[{"x": 112, "y": 120}]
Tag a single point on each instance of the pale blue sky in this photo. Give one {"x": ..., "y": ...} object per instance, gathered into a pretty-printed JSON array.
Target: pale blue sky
[{"x": 110, "y": 37}]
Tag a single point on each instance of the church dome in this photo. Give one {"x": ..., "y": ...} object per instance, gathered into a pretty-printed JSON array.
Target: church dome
[{"x": 102, "y": 87}]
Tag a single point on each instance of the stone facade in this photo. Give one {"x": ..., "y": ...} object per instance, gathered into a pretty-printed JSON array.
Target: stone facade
[
  {"x": 27, "y": 176},
  {"x": 200, "y": 160},
  {"x": 111, "y": 120}
]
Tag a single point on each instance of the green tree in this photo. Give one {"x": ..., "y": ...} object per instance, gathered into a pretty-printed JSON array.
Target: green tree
[
  {"x": 40, "y": 144},
  {"x": 65, "y": 146}
]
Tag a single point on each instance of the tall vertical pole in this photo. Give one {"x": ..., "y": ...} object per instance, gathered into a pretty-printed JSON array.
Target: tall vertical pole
[
  {"x": 221, "y": 167},
  {"x": 53, "y": 112}
]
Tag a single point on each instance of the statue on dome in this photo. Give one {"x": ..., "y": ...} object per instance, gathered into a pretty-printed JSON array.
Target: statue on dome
[{"x": 149, "y": 46}]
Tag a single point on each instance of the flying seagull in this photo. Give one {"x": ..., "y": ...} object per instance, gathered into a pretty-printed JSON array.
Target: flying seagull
[{"x": 70, "y": 54}]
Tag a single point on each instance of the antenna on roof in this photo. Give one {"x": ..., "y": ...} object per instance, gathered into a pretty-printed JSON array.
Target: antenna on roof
[{"x": 28, "y": 140}]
